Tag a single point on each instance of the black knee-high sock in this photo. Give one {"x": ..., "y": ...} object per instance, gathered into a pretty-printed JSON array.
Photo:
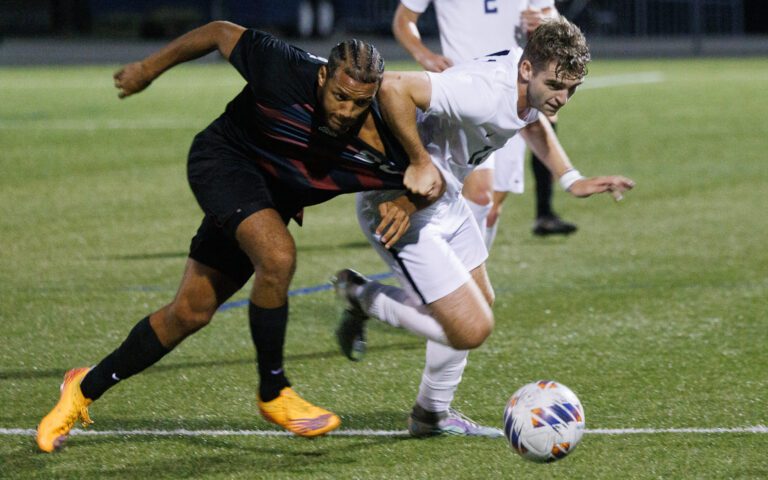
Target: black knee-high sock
[
  {"x": 139, "y": 350},
  {"x": 543, "y": 185},
  {"x": 268, "y": 327}
]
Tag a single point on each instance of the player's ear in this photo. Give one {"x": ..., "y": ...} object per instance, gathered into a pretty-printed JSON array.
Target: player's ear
[
  {"x": 322, "y": 75},
  {"x": 526, "y": 70}
]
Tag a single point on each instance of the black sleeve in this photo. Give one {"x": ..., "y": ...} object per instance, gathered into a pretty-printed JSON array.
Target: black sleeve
[{"x": 261, "y": 57}]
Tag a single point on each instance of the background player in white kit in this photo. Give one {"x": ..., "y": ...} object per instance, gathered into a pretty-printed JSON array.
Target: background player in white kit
[
  {"x": 471, "y": 29},
  {"x": 468, "y": 111}
]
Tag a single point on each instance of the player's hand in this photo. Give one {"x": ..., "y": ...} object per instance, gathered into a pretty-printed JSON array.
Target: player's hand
[
  {"x": 424, "y": 179},
  {"x": 532, "y": 18},
  {"x": 131, "y": 79},
  {"x": 395, "y": 220},
  {"x": 615, "y": 184},
  {"x": 432, "y": 62}
]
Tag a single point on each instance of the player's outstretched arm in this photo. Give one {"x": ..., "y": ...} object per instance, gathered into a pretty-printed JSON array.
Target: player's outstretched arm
[
  {"x": 541, "y": 138},
  {"x": 401, "y": 93},
  {"x": 407, "y": 34},
  {"x": 218, "y": 35}
]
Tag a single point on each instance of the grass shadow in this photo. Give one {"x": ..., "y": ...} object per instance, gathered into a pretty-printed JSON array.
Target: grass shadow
[{"x": 58, "y": 372}]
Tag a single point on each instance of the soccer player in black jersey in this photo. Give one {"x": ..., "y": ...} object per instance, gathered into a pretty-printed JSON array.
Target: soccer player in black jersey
[{"x": 300, "y": 132}]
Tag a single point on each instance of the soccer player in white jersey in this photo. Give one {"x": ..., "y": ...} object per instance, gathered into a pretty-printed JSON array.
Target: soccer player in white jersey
[
  {"x": 471, "y": 29},
  {"x": 466, "y": 112}
]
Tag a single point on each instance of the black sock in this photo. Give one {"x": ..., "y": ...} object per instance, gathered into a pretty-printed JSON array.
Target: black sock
[
  {"x": 543, "y": 186},
  {"x": 268, "y": 327},
  {"x": 139, "y": 350}
]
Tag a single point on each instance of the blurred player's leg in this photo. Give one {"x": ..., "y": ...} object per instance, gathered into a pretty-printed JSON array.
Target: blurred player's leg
[
  {"x": 350, "y": 334},
  {"x": 362, "y": 297},
  {"x": 478, "y": 191},
  {"x": 547, "y": 221},
  {"x": 508, "y": 177}
]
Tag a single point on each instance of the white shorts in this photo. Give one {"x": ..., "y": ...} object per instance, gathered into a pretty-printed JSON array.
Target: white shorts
[
  {"x": 509, "y": 171},
  {"x": 437, "y": 253}
]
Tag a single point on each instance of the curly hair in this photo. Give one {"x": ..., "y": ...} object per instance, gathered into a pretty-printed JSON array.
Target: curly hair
[
  {"x": 360, "y": 60},
  {"x": 560, "y": 41}
]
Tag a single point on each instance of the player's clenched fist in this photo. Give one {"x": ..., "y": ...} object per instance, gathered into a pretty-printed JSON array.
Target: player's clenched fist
[
  {"x": 131, "y": 79},
  {"x": 424, "y": 179}
]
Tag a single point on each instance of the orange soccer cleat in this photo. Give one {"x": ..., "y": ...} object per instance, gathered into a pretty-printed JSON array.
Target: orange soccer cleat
[
  {"x": 72, "y": 406},
  {"x": 297, "y": 415}
]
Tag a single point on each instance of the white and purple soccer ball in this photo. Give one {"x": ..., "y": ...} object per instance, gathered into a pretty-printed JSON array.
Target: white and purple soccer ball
[{"x": 544, "y": 421}]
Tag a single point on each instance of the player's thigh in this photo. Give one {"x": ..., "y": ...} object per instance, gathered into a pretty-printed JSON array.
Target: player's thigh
[
  {"x": 203, "y": 289},
  {"x": 265, "y": 238}
]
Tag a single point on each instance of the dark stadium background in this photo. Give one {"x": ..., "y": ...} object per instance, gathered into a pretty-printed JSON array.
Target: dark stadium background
[{"x": 167, "y": 18}]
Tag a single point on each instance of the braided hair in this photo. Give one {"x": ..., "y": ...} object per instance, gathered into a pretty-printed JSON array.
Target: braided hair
[{"x": 360, "y": 60}]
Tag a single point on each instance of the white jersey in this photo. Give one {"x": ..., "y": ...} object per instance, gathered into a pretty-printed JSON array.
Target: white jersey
[
  {"x": 472, "y": 112},
  {"x": 473, "y": 28}
]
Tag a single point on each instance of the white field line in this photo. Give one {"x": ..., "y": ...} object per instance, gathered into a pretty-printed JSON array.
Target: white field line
[
  {"x": 50, "y": 83},
  {"x": 636, "y": 78},
  {"x": 365, "y": 433},
  {"x": 93, "y": 125},
  {"x": 180, "y": 124}
]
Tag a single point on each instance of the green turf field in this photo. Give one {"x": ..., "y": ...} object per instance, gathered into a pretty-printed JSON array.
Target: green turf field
[{"x": 654, "y": 313}]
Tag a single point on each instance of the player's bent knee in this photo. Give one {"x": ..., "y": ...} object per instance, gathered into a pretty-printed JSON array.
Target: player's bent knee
[
  {"x": 473, "y": 336},
  {"x": 276, "y": 270},
  {"x": 189, "y": 319},
  {"x": 278, "y": 264},
  {"x": 478, "y": 196}
]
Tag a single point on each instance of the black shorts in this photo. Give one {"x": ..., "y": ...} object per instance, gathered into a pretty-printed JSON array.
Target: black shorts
[{"x": 229, "y": 188}]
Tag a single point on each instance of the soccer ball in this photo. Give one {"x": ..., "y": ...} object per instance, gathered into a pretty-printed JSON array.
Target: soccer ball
[{"x": 544, "y": 421}]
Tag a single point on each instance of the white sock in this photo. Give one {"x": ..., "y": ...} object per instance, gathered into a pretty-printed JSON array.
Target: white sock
[
  {"x": 394, "y": 306},
  {"x": 441, "y": 377},
  {"x": 480, "y": 212},
  {"x": 490, "y": 234}
]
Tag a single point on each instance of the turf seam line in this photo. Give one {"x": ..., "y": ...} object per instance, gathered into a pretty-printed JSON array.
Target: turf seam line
[{"x": 300, "y": 291}]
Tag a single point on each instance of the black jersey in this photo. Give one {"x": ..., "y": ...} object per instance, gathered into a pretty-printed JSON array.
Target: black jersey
[{"x": 275, "y": 123}]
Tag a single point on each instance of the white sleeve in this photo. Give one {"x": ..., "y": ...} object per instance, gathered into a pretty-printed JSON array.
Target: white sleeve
[
  {"x": 541, "y": 4},
  {"x": 418, "y": 6},
  {"x": 461, "y": 96}
]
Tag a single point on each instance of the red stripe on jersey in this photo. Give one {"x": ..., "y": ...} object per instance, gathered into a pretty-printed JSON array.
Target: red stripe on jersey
[
  {"x": 370, "y": 182},
  {"x": 281, "y": 117},
  {"x": 267, "y": 165},
  {"x": 285, "y": 139}
]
